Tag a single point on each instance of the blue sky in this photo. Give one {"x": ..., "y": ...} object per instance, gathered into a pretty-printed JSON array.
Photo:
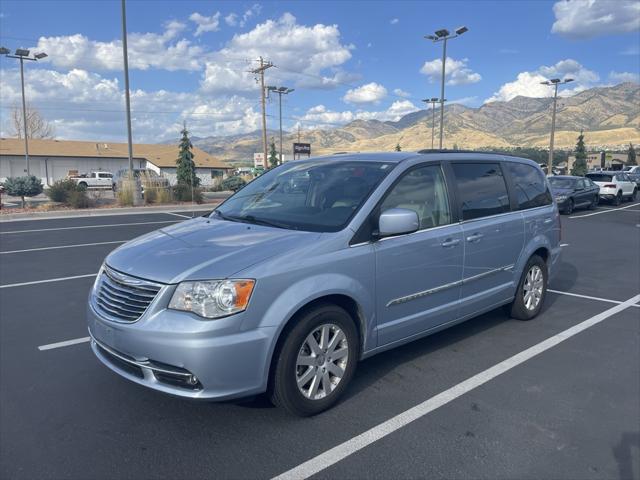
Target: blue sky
[{"x": 346, "y": 60}]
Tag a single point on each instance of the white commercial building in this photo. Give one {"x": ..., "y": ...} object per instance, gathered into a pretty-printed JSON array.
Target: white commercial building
[{"x": 52, "y": 160}]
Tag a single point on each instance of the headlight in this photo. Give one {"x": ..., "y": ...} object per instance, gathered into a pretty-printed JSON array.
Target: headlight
[{"x": 212, "y": 299}]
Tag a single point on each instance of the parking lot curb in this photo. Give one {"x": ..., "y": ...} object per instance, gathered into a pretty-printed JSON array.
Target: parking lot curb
[{"x": 103, "y": 212}]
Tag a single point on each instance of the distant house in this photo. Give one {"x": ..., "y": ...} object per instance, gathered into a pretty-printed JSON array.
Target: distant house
[{"x": 52, "y": 160}]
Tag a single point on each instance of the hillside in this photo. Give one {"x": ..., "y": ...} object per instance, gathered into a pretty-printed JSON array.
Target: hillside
[{"x": 610, "y": 117}]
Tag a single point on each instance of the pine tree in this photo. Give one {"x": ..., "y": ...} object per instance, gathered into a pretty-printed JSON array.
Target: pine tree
[
  {"x": 580, "y": 165},
  {"x": 398, "y": 148},
  {"x": 186, "y": 168},
  {"x": 631, "y": 155},
  {"x": 273, "y": 154}
]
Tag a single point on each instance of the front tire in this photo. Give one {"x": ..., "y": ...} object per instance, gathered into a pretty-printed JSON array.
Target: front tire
[
  {"x": 316, "y": 361},
  {"x": 568, "y": 210},
  {"x": 634, "y": 195},
  {"x": 617, "y": 200},
  {"x": 532, "y": 290},
  {"x": 594, "y": 203}
]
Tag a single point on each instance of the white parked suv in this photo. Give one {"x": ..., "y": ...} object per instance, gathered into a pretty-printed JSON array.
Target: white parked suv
[
  {"x": 631, "y": 169},
  {"x": 614, "y": 186}
]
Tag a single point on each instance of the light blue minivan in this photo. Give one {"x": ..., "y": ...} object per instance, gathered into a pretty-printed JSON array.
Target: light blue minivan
[{"x": 320, "y": 263}]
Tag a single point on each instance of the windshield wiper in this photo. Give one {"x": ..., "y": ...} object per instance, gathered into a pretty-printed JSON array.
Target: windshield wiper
[
  {"x": 261, "y": 221},
  {"x": 218, "y": 213}
]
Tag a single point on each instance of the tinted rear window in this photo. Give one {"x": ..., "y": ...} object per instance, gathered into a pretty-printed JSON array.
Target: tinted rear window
[
  {"x": 481, "y": 189},
  {"x": 531, "y": 188},
  {"x": 599, "y": 177}
]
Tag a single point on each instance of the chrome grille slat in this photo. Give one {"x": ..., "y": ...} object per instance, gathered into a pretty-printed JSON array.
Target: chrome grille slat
[{"x": 123, "y": 298}]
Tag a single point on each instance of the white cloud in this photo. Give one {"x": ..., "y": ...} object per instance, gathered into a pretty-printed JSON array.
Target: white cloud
[
  {"x": 205, "y": 24},
  {"x": 394, "y": 21},
  {"x": 320, "y": 116},
  {"x": 251, "y": 12},
  {"x": 528, "y": 84},
  {"x": 369, "y": 93},
  {"x": 621, "y": 77},
  {"x": 84, "y": 105},
  {"x": 401, "y": 93},
  {"x": 591, "y": 18},
  {"x": 146, "y": 50},
  {"x": 231, "y": 19},
  {"x": 302, "y": 54},
  {"x": 457, "y": 72}
]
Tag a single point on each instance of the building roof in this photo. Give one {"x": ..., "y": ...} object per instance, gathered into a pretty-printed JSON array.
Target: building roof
[{"x": 159, "y": 155}]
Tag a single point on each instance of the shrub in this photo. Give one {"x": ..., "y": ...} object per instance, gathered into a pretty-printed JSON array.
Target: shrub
[
  {"x": 233, "y": 183},
  {"x": 125, "y": 194},
  {"x": 78, "y": 199},
  {"x": 182, "y": 193},
  {"x": 165, "y": 195},
  {"x": 60, "y": 190},
  {"x": 27, "y": 186}
]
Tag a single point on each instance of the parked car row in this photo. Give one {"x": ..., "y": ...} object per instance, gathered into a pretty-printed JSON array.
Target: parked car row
[{"x": 586, "y": 192}]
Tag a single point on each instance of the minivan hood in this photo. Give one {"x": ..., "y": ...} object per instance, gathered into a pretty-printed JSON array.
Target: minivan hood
[{"x": 203, "y": 248}]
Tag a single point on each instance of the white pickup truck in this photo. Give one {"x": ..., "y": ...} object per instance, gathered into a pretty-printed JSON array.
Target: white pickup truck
[{"x": 93, "y": 179}]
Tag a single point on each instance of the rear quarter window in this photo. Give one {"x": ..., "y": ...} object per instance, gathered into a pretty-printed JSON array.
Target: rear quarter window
[
  {"x": 599, "y": 177},
  {"x": 530, "y": 186}
]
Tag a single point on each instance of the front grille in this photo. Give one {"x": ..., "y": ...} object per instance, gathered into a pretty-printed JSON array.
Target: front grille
[{"x": 122, "y": 297}]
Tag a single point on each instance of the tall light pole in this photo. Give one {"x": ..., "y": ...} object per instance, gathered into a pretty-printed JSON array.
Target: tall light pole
[
  {"x": 280, "y": 91},
  {"x": 555, "y": 82},
  {"x": 433, "y": 102},
  {"x": 443, "y": 36},
  {"x": 22, "y": 55},
  {"x": 127, "y": 100}
]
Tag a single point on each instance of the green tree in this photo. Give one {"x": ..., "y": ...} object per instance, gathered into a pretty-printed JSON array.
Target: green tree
[
  {"x": 631, "y": 155},
  {"x": 398, "y": 148},
  {"x": 273, "y": 154},
  {"x": 27, "y": 186},
  {"x": 580, "y": 165},
  {"x": 186, "y": 167}
]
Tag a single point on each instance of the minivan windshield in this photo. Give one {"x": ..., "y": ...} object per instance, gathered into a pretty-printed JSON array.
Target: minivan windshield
[
  {"x": 559, "y": 182},
  {"x": 313, "y": 195}
]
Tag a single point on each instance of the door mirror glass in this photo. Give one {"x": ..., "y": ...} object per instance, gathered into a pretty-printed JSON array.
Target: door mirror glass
[{"x": 397, "y": 221}]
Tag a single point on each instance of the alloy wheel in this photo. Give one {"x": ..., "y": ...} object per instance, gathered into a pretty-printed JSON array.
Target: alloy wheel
[
  {"x": 322, "y": 361},
  {"x": 533, "y": 288}
]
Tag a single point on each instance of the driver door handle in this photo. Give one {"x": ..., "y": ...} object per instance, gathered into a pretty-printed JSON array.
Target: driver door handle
[
  {"x": 475, "y": 237},
  {"x": 450, "y": 242}
]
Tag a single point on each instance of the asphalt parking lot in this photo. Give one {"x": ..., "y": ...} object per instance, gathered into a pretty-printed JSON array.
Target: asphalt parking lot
[{"x": 557, "y": 397}]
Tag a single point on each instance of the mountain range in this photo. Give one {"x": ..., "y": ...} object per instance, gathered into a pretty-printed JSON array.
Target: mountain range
[{"x": 609, "y": 116}]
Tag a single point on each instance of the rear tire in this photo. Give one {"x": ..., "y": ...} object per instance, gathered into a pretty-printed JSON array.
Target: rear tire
[
  {"x": 634, "y": 195},
  {"x": 594, "y": 203},
  {"x": 617, "y": 200},
  {"x": 309, "y": 377},
  {"x": 532, "y": 290}
]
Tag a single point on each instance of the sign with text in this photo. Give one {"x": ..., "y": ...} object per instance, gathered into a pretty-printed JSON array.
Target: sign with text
[{"x": 301, "y": 149}]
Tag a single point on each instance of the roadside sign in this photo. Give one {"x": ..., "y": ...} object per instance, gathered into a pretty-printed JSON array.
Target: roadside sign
[{"x": 300, "y": 149}]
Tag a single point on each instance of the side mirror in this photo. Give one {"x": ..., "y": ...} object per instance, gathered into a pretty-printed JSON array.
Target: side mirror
[{"x": 397, "y": 221}]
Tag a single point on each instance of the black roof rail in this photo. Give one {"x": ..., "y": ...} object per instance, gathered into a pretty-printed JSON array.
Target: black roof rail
[{"x": 444, "y": 150}]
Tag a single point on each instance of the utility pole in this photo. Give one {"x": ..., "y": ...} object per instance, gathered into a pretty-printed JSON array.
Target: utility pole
[
  {"x": 263, "y": 100},
  {"x": 443, "y": 35},
  {"x": 555, "y": 82},
  {"x": 125, "y": 56},
  {"x": 22, "y": 55},
  {"x": 280, "y": 91},
  {"x": 433, "y": 102}
]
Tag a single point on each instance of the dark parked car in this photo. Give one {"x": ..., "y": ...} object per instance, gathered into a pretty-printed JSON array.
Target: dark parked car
[{"x": 574, "y": 192}]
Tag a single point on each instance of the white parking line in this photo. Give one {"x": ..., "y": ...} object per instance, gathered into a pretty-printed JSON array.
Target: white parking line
[
  {"x": 50, "y": 280},
  {"x": 62, "y": 246},
  {"x": 179, "y": 215},
  {"x": 66, "y": 343},
  {"x": 88, "y": 226},
  {"x": 577, "y": 295},
  {"x": 340, "y": 452},
  {"x": 605, "y": 211}
]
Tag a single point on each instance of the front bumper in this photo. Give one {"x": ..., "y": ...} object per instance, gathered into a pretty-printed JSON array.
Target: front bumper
[{"x": 177, "y": 353}]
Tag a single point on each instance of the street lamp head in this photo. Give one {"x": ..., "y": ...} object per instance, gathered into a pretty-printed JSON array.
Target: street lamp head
[
  {"x": 555, "y": 80},
  {"x": 21, "y": 52},
  {"x": 442, "y": 33},
  {"x": 40, "y": 56},
  {"x": 435, "y": 99},
  {"x": 431, "y": 37},
  {"x": 567, "y": 80},
  {"x": 461, "y": 30},
  {"x": 272, "y": 88},
  {"x": 546, "y": 82},
  {"x": 4, "y": 51}
]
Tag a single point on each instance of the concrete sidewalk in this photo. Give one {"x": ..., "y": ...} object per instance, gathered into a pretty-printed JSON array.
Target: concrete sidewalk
[{"x": 98, "y": 212}]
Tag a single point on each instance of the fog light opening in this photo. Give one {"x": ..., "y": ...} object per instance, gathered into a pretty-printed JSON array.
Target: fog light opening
[{"x": 192, "y": 380}]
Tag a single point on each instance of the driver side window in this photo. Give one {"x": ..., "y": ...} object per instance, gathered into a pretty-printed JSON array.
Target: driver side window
[{"x": 424, "y": 191}]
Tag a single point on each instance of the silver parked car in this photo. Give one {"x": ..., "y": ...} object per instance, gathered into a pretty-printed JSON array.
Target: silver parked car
[{"x": 320, "y": 263}]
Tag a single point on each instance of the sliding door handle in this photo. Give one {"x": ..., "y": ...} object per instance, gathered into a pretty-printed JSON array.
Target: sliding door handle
[{"x": 475, "y": 237}]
